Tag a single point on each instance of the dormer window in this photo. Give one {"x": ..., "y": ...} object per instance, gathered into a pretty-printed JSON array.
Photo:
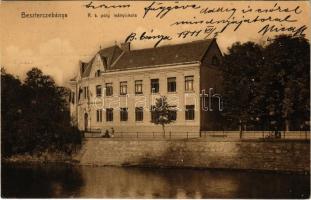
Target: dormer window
[
  {"x": 97, "y": 73},
  {"x": 215, "y": 61}
]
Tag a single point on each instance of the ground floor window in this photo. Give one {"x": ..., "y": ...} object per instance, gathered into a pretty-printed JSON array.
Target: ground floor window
[
  {"x": 189, "y": 112},
  {"x": 99, "y": 115},
  {"x": 123, "y": 114},
  {"x": 173, "y": 113},
  {"x": 109, "y": 114},
  {"x": 153, "y": 114},
  {"x": 139, "y": 113}
]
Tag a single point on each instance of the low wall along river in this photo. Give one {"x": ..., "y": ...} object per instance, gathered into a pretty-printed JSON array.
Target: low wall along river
[{"x": 255, "y": 155}]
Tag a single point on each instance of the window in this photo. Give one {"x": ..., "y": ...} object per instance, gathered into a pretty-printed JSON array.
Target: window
[
  {"x": 154, "y": 85},
  {"x": 153, "y": 114},
  {"x": 99, "y": 115},
  {"x": 171, "y": 84},
  {"x": 109, "y": 114},
  {"x": 173, "y": 113},
  {"x": 139, "y": 87},
  {"x": 72, "y": 97},
  {"x": 139, "y": 113},
  {"x": 86, "y": 92},
  {"x": 80, "y": 93},
  {"x": 97, "y": 73},
  {"x": 109, "y": 89},
  {"x": 215, "y": 61},
  {"x": 98, "y": 90},
  {"x": 123, "y": 88},
  {"x": 189, "y": 112},
  {"x": 123, "y": 114},
  {"x": 189, "y": 83}
]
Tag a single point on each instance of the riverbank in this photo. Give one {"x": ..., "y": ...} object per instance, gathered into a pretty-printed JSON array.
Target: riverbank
[
  {"x": 42, "y": 157},
  {"x": 274, "y": 156}
]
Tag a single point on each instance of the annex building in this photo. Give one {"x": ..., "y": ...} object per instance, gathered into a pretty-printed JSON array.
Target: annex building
[{"x": 118, "y": 87}]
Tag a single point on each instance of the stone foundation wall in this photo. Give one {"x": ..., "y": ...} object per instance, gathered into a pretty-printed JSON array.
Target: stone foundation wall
[{"x": 256, "y": 155}]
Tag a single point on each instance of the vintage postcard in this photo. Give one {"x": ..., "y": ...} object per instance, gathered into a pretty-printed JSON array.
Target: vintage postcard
[{"x": 155, "y": 99}]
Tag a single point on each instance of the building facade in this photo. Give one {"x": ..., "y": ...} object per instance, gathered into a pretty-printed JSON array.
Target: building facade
[{"x": 118, "y": 87}]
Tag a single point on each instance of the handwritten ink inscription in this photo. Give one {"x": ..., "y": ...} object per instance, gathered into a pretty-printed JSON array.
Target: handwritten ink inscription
[
  {"x": 237, "y": 18},
  {"x": 209, "y": 21},
  {"x": 162, "y": 10},
  {"x": 145, "y": 36},
  {"x": 99, "y": 5}
]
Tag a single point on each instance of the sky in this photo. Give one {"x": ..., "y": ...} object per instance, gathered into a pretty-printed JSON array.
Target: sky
[{"x": 56, "y": 45}]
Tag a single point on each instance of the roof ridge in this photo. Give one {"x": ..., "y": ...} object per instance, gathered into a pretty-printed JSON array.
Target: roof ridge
[{"x": 170, "y": 45}]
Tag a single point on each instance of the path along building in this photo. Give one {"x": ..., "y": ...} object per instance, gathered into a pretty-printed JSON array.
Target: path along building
[{"x": 118, "y": 86}]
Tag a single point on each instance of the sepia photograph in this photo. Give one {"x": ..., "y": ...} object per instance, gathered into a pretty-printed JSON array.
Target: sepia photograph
[{"x": 151, "y": 99}]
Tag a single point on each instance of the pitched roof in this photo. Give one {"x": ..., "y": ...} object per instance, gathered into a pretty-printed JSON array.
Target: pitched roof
[
  {"x": 117, "y": 59},
  {"x": 109, "y": 55},
  {"x": 170, "y": 54}
]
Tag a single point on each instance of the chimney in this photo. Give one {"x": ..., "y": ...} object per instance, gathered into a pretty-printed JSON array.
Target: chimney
[{"x": 126, "y": 46}]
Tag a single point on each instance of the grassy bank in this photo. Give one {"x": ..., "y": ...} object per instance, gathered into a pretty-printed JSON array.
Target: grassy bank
[{"x": 41, "y": 157}]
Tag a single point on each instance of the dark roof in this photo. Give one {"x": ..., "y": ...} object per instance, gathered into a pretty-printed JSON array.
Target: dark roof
[
  {"x": 117, "y": 59},
  {"x": 109, "y": 55},
  {"x": 165, "y": 55}
]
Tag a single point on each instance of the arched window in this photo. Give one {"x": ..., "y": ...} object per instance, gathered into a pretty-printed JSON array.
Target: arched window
[{"x": 215, "y": 61}]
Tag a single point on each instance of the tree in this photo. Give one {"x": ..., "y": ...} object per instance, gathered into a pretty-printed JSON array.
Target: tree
[
  {"x": 161, "y": 112},
  {"x": 285, "y": 82},
  {"x": 268, "y": 86},
  {"x": 11, "y": 109},
  {"x": 240, "y": 74},
  {"x": 35, "y": 115}
]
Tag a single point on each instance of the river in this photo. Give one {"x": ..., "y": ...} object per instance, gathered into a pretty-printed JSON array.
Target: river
[{"x": 63, "y": 181}]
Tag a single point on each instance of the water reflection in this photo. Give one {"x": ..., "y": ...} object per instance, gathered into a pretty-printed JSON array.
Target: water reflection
[
  {"x": 114, "y": 182},
  {"x": 35, "y": 181},
  {"x": 155, "y": 183}
]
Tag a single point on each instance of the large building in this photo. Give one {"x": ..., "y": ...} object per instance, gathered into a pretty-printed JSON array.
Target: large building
[{"x": 118, "y": 87}]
